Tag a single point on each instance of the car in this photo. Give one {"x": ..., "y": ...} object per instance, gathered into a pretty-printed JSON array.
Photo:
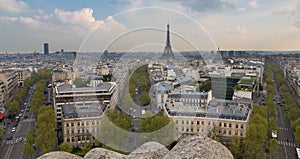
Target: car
[
  {"x": 13, "y": 129},
  {"x": 22, "y": 110},
  {"x": 9, "y": 137},
  {"x": 25, "y": 116},
  {"x": 20, "y": 115}
]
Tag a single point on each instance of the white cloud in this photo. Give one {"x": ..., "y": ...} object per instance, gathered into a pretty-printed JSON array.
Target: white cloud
[
  {"x": 13, "y": 6},
  {"x": 239, "y": 29},
  {"x": 82, "y": 18},
  {"x": 287, "y": 9},
  {"x": 32, "y": 23},
  {"x": 8, "y": 19},
  {"x": 254, "y": 3}
]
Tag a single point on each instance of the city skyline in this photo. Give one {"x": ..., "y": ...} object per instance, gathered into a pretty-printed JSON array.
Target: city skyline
[{"x": 227, "y": 24}]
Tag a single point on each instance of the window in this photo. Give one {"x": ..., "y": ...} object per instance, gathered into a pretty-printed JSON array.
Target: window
[
  {"x": 197, "y": 129},
  {"x": 78, "y": 131},
  {"x": 82, "y": 130},
  {"x": 209, "y": 123},
  {"x": 72, "y": 124},
  {"x": 192, "y": 122},
  {"x": 182, "y": 129},
  {"x": 236, "y": 133},
  {"x": 176, "y": 121},
  {"x": 182, "y": 122},
  {"x": 242, "y": 126},
  {"x": 78, "y": 138},
  {"x": 93, "y": 123},
  {"x": 236, "y": 125},
  {"x": 187, "y": 122},
  {"x": 68, "y": 139},
  {"x": 198, "y": 123},
  {"x": 87, "y": 123},
  {"x": 73, "y": 139},
  {"x": 78, "y": 124},
  {"x": 229, "y": 132},
  {"x": 187, "y": 129},
  {"x": 230, "y": 125},
  {"x": 67, "y": 125},
  {"x": 67, "y": 131},
  {"x": 241, "y": 134},
  {"x": 225, "y": 125},
  {"x": 225, "y": 132},
  {"x": 202, "y": 122},
  {"x": 220, "y": 124}
]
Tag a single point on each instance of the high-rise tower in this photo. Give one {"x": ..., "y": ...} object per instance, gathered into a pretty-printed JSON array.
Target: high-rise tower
[
  {"x": 168, "y": 49},
  {"x": 46, "y": 48}
]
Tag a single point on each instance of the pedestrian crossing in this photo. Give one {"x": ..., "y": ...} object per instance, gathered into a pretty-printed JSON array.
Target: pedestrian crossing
[
  {"x": 284, "y": 143},
  {"x": 281, "y": 128}
]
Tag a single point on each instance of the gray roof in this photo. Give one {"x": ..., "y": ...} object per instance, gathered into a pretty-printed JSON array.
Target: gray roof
[
  {"x": 67, "y": 88},
  {"x": 83, "y": 111},
  {"x": 163, "y": 87},
  {"x": 194, "y": 95},
  {"x": 223, "y": 109}
]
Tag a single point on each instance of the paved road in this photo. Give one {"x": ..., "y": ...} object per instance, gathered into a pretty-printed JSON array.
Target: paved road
[
  {"x": 285, "y": 136},
  {"x": 12, "y": 149}
]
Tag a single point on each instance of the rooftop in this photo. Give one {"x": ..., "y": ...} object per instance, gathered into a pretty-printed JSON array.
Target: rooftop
[
  {"x": 94, "y": 109},
  {"x": 68, "y": 88},
  {"x": 237, "y": 109}
]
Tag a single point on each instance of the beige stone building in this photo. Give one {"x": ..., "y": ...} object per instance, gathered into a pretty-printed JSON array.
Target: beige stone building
[
  {"x": 23, "y": 74},
  {"x": 10, "y": 82},
  {"x": 81, "y": 122}
]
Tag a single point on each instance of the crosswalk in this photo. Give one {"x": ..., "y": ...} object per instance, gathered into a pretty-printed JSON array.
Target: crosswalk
[
  {"x": 284, "y": 143},
  {"x": 281, "y": 128}
]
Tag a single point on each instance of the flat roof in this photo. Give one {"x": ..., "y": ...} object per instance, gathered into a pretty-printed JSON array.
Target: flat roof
[
  {"x": 68, "y": 88},
  {"x": 94, "y": 109},
  {"x": 224, "y": 109}
]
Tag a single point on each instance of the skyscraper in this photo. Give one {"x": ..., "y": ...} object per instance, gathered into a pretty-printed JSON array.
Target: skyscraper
[
  {"x": 168, "y": 49},
  {"x": 46, "y": 48}
]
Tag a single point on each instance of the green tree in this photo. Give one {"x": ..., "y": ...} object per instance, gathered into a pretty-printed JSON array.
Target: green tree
[
  {"x": 28, "y": 148},
  {"x": 272, "y": 147},
  {"x": 145, "y": 98},
  {"x": 65, "y": 147},
  {"x": 13, "y": 106},
  {"x": 235, "y": 147},
  {"x": 46, "y": 136},
  {"x": 297, "y": 134},
  {"x": 2, "y": 131}
]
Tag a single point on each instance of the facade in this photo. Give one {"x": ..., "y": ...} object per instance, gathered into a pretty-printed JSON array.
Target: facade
[
  {"x": 220, "y": 118},
  {"x": 81, "y": 122},
  {"x": 10, "y": 82},
  {"x": 68, "y": 94},
  {"x": 2, "y": 94},
  {"x": 61, "y": 75},
  {"x": 23, "y": 74},
  {"x": 46, "y": 48}
]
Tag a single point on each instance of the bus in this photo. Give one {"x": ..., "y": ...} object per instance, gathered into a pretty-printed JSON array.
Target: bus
[{"x": 298, "y": 152}]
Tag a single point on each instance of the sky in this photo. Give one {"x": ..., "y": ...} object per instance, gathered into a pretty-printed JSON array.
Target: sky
[{"x": 140, "y": 25}]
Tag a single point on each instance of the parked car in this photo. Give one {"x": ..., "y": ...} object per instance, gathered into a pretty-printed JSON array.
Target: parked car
[{"x": 13, "y": 129}]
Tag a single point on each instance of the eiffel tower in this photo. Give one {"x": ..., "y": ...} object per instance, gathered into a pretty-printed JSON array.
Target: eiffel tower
[{"x": 168, "y": 49}]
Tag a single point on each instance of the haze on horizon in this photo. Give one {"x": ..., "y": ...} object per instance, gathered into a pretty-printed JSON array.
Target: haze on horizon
[{"x": 195, "y": 25}]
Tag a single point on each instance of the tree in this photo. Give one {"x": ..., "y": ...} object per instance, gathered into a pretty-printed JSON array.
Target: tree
[
  {"x": 272, "y": 147},
  {"x": 235, "y": 147},
  {"x": 65, "y": 147},
  {"x": 297, "y": 134},
  {"x": 13, "y": 106},
  {"x": 80, "y": 82},
  {"x": 2, "y": 131},
  {"x": 46, "y": 135},
  {"x": 145, "y": 98},
  {"x": 28, "y": 148}
]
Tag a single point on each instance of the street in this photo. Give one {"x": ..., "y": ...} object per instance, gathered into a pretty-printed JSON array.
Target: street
[
  {"x": 285, "y": 136},
  {"x": 12, "y": 148}
]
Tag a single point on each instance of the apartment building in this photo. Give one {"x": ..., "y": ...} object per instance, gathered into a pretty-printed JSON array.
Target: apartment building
[
  {"x": 10, "y": 81},
  {"x": 220, "y": 118},
  {"x": 68, "y": 94},
  {"x": 81, "y": 122}
]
